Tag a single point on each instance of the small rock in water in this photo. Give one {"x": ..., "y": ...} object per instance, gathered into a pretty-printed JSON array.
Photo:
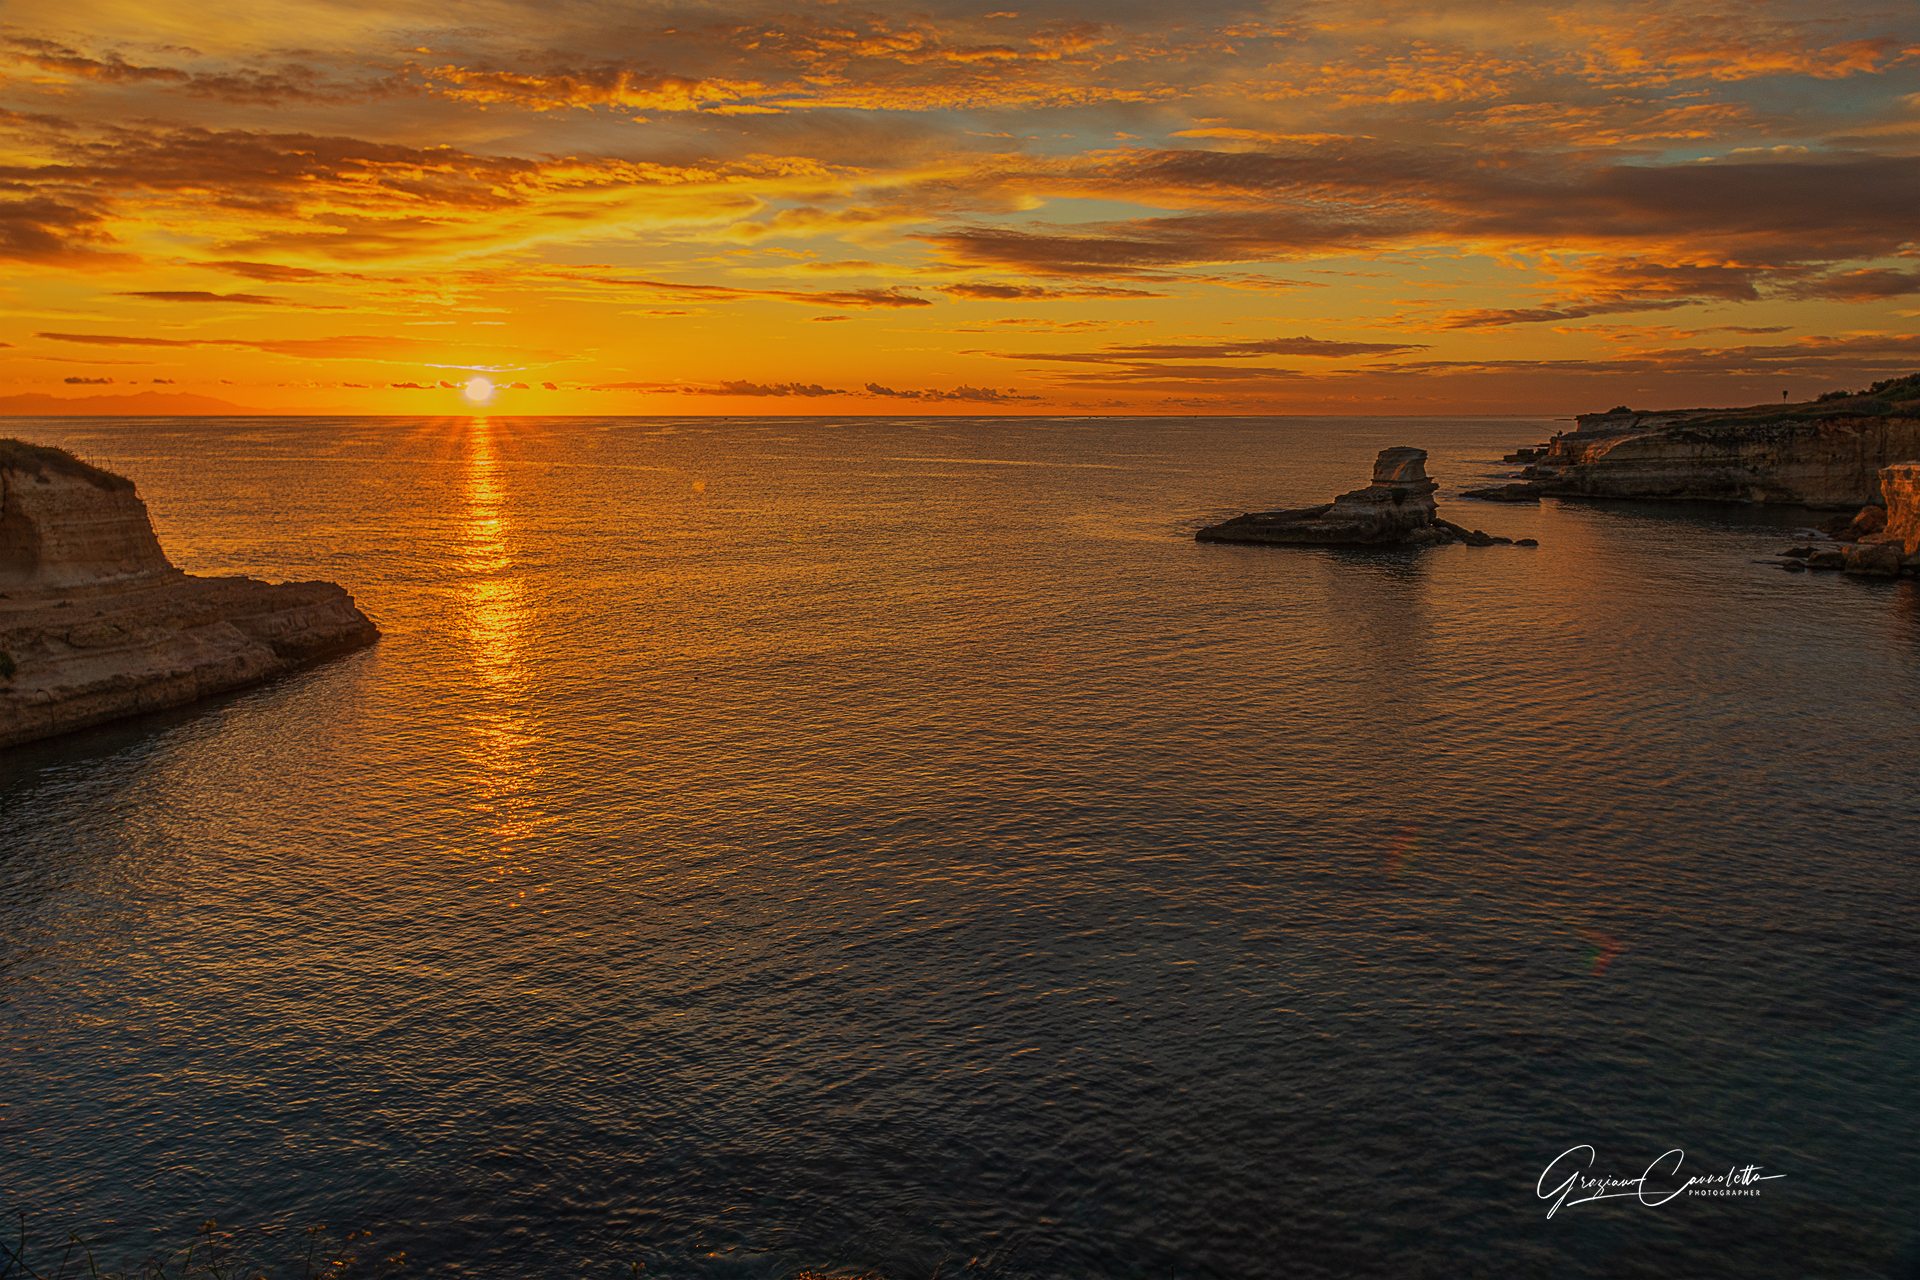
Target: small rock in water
[
  {"x": 1874, "y": 560},
  {"x": 1827, "y": 560},
  {"x": 1526, "y": 542},
  {"x": 1793, "y": 566},
  {"x": 1798, "y": 553}
]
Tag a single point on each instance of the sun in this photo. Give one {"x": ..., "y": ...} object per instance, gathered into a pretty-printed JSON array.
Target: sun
[{"x": 479, "y": 389}]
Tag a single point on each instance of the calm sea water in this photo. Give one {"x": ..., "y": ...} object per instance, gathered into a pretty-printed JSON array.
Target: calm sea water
[{"x": 894, "y": 845}]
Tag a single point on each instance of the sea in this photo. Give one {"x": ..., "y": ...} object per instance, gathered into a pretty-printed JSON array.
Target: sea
[{"x": 894, "y": 847}]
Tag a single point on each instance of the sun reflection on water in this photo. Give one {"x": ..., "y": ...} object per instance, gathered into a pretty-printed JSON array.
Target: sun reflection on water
[
  {"x": 495, "y": 603},
  {"x": 499, "y": 746}
]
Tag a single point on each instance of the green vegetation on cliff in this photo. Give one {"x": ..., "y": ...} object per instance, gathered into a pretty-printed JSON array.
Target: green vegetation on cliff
[{"x": 1889, "y": 398}]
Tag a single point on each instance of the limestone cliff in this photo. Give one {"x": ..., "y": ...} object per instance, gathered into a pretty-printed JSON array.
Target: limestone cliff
[
  {"x": 1825, "y": 454},
  {"x": 1900, "y": 485},
  {"x": 96, "y": 624},
  {"x": 65, "y": 524}
]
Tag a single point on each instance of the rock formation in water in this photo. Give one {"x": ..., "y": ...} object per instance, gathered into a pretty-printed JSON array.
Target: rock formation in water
[
  {"x": 96, "y": 623},
  {"x": 1881, "y": 541},
  {"x": 1396, "y": 509},
  {"x": 1826, "y": 454}
]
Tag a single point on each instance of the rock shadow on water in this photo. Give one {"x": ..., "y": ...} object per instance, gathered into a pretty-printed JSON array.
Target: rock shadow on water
[{"x": 1703, "y": 514}]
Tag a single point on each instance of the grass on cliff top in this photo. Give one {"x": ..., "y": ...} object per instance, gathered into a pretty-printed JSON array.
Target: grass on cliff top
[
  {"x": 37, "y": 459},
  {"x": 1890, "y": 397}
]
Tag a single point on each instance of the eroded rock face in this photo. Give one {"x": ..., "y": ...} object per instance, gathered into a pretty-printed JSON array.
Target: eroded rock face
[
  {"x": 59, "y": 530},
  {"x": 97, "y": 624},
  {"x": 1833, "y": 462},
  {"x": 1397, "y": 508},
  {"x": 1900, "y": 486}
]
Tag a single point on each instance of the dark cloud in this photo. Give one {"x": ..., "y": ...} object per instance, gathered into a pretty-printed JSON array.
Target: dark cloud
[
  {"x": 181, "y": 295},
  {"x": 1867, "y": 353},
  {"x": 1496, "y": 317},
  {"x": 291, "y": 82},
  {"x": 117, "y": 340},
  {"x": 274, "y": 273},
  {"x": 763, "y": 389},
  {"x": 977, "y": 395},
  {"x": 1035, "y": 292},
  {"x": 87, "y": 382},
  {"x": 1667, "y": 234},
  {"x": 1858, "y": 286},
  {"x": 56, "y": 232},
  {"x": 854, "y": 298},
  {"x": 1167, "y": 375},
  {"x": 1255, "y": 349}
]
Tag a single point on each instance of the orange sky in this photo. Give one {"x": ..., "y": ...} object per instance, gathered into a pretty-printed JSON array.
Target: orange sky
[{"x": 1327, "y": 206}]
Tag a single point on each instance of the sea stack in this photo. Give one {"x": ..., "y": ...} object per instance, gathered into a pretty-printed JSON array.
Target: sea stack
[
  {"x": 1396, "y": 510},
  {"x": 97, "y": 624}
]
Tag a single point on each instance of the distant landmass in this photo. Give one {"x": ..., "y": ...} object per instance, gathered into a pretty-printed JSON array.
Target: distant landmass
[{"x": 139, "y": 404}]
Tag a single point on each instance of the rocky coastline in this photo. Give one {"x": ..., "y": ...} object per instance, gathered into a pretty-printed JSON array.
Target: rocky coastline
[
  {"x": 97, "y": 624},
  {"x": 1853, "y": 452},
  {"x": 1827, "y": 454},
  {"x": 1395, "y": 509}
]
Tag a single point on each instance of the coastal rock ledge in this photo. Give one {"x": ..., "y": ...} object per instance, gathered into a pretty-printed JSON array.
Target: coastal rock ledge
[{"x": 97, "y": 624}]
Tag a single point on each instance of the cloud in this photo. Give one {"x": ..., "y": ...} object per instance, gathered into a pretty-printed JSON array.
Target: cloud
[
  {"x": 977, "y": 395},
  {"x": 1037, "y": 292},
  {"x": 1856, "y": 286},
  {"x": 1496, "y": 317},
  {"x": 176, "y": 295},
  {"x": 763, "y": 389},
  {"x": 54, "y": 232},
  {"x": 352, "y": 200},
  {"x": 279, "y": 273},
  {"x": 291, "y": 82},
  {"x": 1811, "y": 356},
  {"x": 346, "y": 347},
  {"x": 87, "y": 382},
  {"x": 891, "y": 297},
  {"x": 606, "y": 85},
  {"x": 1664, "y": 232},
  {"x": 1260, "y": 347}
]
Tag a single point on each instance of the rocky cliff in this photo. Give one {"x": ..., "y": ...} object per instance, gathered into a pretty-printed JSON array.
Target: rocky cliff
[
  {"x": 1900, "y": 486},
  {"x": 1826, "y": 454},
  {"x": 1395, "y": 509},
  {"x": 96, "y": 624}
]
